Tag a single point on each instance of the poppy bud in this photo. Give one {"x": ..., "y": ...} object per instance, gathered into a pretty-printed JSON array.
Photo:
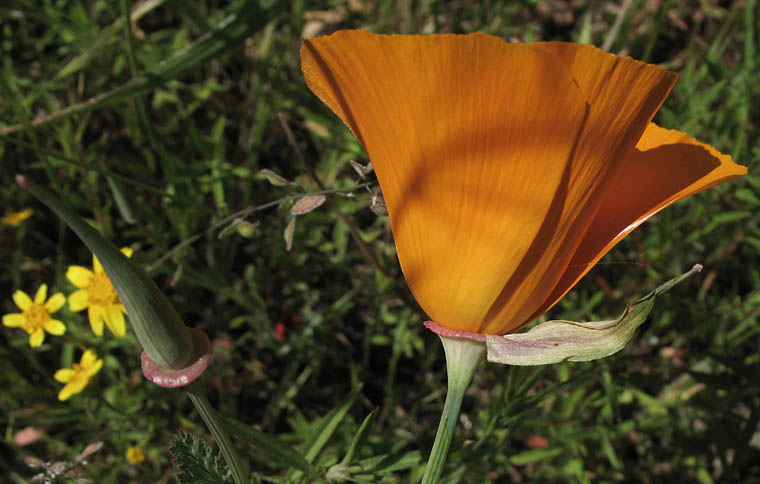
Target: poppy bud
[{"x": 174, "y": 355}]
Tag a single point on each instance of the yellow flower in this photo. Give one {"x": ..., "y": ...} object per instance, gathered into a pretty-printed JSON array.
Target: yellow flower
[
  {"x": 135, "y": 455},
  {"x": 98, "y": 296},
  {"x": 14, "y": 219},
  {"x": 35, "y": 317},
  {"x": 78, "y": 376},
  {"x": 508, "y": 170}
]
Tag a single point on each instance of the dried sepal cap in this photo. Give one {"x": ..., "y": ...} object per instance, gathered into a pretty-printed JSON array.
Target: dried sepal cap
[
  {"x": 167, "y": 378},
  {"x": 555, "y": 341}
]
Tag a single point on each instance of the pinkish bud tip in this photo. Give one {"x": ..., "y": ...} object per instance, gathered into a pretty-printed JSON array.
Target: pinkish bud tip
[
  {"x": 21, "y": 181},
  {"x": 167, "y": 378}
]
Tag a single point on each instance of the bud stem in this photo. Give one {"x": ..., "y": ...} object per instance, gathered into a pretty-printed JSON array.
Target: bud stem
[
  {"x": 209, "y": 416},
  {"x": 463, "y": 357}
]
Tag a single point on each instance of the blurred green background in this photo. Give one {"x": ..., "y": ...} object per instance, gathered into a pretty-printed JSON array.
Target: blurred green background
[{"x": 158, "y": 134}]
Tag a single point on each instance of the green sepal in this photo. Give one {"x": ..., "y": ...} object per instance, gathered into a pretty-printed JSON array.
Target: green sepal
[
  {"x": 555, "y": 341},
  {"x": 158, "y": 327}
]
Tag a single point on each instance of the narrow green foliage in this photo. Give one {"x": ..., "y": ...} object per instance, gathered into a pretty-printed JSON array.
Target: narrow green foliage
[
  {"x": 279, "y": 453},
  {"x": 322, "y": 433},
  {"x": 360, "y": 438}
]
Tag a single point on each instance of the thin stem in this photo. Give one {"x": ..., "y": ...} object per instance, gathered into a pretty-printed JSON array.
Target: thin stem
[
  {"x": 463, "y": 358},
  {"x": 229, "y": 451}
]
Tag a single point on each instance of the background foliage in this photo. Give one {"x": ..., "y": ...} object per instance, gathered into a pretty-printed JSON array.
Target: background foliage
[{"x": 158, "y": 134}]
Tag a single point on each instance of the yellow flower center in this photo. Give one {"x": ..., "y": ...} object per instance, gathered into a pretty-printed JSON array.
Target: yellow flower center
[
  {"x": 80, "y": 374},
  {"x": 36, "y": 317},
  {"x": 101, "y": 290}
]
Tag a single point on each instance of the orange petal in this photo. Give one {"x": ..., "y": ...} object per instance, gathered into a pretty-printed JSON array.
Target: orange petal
[
  {"x": 470, "y": 138},
  {"x": 667, "y": 166},
  {"x": 623, "y": 95}
]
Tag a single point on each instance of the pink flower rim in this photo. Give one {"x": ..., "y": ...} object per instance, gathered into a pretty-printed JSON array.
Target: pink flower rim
[
  {"x": 167, "y": 378},
  {"x": 452, "y": 333}
]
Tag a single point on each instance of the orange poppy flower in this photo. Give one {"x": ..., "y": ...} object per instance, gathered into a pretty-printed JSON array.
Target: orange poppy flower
[{"x": 508, "y": 170}]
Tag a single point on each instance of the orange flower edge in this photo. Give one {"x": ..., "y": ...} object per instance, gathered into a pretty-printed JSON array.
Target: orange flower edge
[{"x": 497, "y": 160}]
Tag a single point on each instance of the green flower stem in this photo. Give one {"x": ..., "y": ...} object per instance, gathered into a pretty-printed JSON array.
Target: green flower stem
[
  {"x": 209, "y": 416},
  {"x": 463, "y": 358}
]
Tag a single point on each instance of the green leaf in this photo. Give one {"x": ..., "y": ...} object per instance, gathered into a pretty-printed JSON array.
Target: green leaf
[
  {"x": 555, "y": 341},
  {"x": 196, "y": 463},
  {"x": 535, "y": 455},
  {"x": 360, "y": 438},
  {"x": 274, "y": 179},
  {"x": 106, "y": 37},
  {"x": 313, "y": 446},
  {"x": 229, "y": 33},
  {"x": 123, "y": 199},
  {"x": 388, "y": 463},
  {"x": 281, "y": 453}
]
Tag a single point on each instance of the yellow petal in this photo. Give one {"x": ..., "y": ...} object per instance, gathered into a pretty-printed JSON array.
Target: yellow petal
[
  {"x": 64, "y": 375},
  {"x": 96, "y": 315},
  {"x": 14, "y": 320},
  {"x": 96, "y": 267},
  {"x": 115, "y": 319},
  {"x": 79, "y": 276},
  {"x": 471, "y": 139},
  {"x": 94, "y": 367},
  {"x": 77, "y": 385},
  {"x": 127, "y": 251},
  {"x": 65, "y": 393},
  {"x": 88, "y": 358},
  {"x": 41, "y": 295},
  {"x": 667, "y": 166},
  {"x": 79, "y": 300},
  {"x": 36, "y": 338},
  {"x": 135, "y": 455},
  {"x": 15, "y": 218},
  {"x": 22, "y": 300},
  {"x": 53, "y": 326},
  {"x": 55, "y": 302},
  {"x": 623, "y": 95}
]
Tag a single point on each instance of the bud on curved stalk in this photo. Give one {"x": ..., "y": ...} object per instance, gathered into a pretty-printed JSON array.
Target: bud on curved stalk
[{"x": 173, "y": 355}]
